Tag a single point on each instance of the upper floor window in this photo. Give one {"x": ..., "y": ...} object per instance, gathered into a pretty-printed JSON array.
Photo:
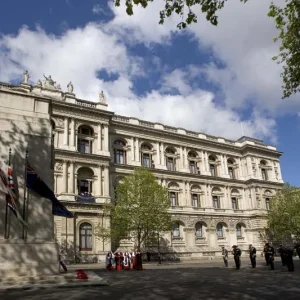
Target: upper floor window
[
  {"x": 234, "y": 202},
  {"x": 231, "y": 171},
  {"x": 119, "y": 152},
  {"x": 268, "y": 203},
  {"x": 173, "y": 198},
  {"x": 238, "y": 230},
  {"x": 85, "y": 181},
  {"x": 170, "y": 159},
  {"x": 85, "y": 139},
  {"x": 216, "y": 202},
  {"x": 212, "y": 165},
  {"x": 264, "y": 170},
  {"x": 192, "y": 157},
  {"x": 195, "y": 200},
  {"x": 146, "y": 155},
  {"x": 220, "y": 230}
]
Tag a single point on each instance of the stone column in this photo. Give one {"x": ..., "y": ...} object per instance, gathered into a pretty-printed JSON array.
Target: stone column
[
  {"x": 106, "y": 181},
  {"x": 258, "y": 173},
  {"x": 105, "y": 140},
  {"x": 203, "y": 171},
  {"x": 188, "y": 194},
  {"x": 249, "y": 167},
  {"x": 206, "y": 162},
  {"x": 137, "y": 150},
  {"x": 185, "y": 159},
  {"x": 225, "y": 165},
  {"x": 279, "y": 172},
  {"x": 72, "y": 144},
  {"x": 132, "y": 148},
  {"x": 100, "y": 184},
  {"x": 100, "y": 137},
  {"x": 157, "y": 153},
  {"x": 244, "y": 200},
  {"x": 66, "y": 132},
  {"x": 181, "y": 158},
  {"x": 239, "y": 170},
  {"x": 162, "y": 155},
  {"x": 65, "y": 176},
  {"x": 55, "y": 139},
  {"x": 209, "y": 196},
  {"x": 221, "y": 166},
  {"x": 71, "y": 187}
]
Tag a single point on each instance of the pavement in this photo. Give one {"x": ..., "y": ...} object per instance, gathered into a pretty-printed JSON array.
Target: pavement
[{"x": 184, "y": 280}]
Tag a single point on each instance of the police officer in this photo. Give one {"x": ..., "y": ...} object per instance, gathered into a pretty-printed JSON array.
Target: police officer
[
  {"x": 237, "y": 256},
  {"x": 252, "y": 255},
  {"x": 282, "y": 256},
  {"x": 289, "y": 259},
  {"x": 266, "y": 253},
  {"x": 270, "y": 255}
]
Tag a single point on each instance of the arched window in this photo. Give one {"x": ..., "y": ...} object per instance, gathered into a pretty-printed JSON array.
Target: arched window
[
  {"x": 267, "y": 203},
  {"x": 175, "y": 230},
  {"x": 146, "y": 154},
  {"x": 264, "y": 171},
  {"x": 85, "y": 237},
  {"x": 220, "y": 230},
  {"x": 119, "y": 152},
  {"x": 85, "y": 139},
  {"x": 171, "y": 159},
  {"x": 231, "y": 170},
  {"x": 199, "y": 230},
  {"x": 212, "y": 165},
  {"x": 239, "y": 230},
  {"x": 85, "y": 181},
  {"x": 192, "y": 158}
]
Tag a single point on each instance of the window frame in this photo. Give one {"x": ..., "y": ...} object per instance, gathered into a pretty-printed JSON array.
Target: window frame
[{"x": 87, "y": 235}]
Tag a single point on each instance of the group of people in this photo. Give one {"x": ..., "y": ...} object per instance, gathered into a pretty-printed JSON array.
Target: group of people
[
  {"x": 286, "y": 254},
  {"x": 124, "y": 261}
]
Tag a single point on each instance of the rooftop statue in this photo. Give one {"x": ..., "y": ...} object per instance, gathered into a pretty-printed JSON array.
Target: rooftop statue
[
  {"x": 102, "y": 98},
  {"x": 70, "y": 87},
  {"x": 49, "y": 82},
  {"x": 26, "y": 77}
]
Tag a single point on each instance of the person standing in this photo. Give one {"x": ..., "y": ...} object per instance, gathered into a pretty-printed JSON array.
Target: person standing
[
  {"x": 266, "y": 253},
  {"x": 225, "y": 256},
  {"x": 252, "y": 254},
  {"x": 289, "y": 259},
  {"x": 282, "y": 256},
  {"x": 237, "y": 256}
]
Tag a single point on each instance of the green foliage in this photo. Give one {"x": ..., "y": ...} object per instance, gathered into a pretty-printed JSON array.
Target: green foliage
[
  {"x": 140, "y": 209},
  {"x": 183, "y": 8},
  {"x": 284, "y": 216},
  {"x": 288, "y": 23}
]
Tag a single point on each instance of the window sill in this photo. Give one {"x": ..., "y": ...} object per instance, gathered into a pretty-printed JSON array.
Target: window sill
[
  {"x": 198, "y": 208},
  {"x": 221, "y": 238},
  {"x": 177, "y": 207},
  {"x": 87, "y": 251},
  {"x": 219, "y": 209},
  {"x": 238, "y": 211}
]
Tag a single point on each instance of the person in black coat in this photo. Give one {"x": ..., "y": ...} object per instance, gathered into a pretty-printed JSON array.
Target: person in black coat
[{"x": 252, "y": 255}]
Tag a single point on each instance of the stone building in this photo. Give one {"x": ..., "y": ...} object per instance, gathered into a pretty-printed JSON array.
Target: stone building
[{"x": 220, "y": 190}]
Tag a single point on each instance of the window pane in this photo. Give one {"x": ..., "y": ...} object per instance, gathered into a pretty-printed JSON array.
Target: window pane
[
  {"x": 83, "y": 146},
  {"x": 173, "y": 198},
  {"x": 231, "y": 174},
  {"x": 267, "y": 203},
  {"x": 215, "y": 201},
  {"x": 175, "y": 229},
  {"x": 119, "y": 156},
  {"x": 85, "y": 238},
  {"x": 199, "y": 230},
  {"x": 238, "y": 230},
  {"x": 146, "y": 160},
  {"x": 264, "y": 174},
  {"x": 212, "y": 170},
  {"x": 170, "y": 164},
  {"x": 195, "y": 202},
  {"x": 193, "y": 167},
  {"x": 220, "y": 230},
  {"x": 234, "y": 203}
]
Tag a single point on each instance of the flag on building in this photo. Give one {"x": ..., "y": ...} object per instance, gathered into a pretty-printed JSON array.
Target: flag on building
[
  {"x": 11, "y": 197},
  {"x": 36, "y": 184}
]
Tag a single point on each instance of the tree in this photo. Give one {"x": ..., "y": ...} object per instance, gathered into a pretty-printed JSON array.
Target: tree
[
  {"x": 287, "y": 20},
  {"x": 288, "y": 23},
  {"x": 140, "y": 210},
  {"x": 284, "y": 215}
]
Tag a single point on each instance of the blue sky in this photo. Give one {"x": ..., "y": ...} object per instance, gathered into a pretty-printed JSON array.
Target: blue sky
[{"x": 206, "y": 78}]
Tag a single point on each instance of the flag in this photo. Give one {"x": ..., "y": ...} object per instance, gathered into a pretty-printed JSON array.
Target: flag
[
  {"x": 10, "y": 193},
  {"x": 36, "y": 184}
]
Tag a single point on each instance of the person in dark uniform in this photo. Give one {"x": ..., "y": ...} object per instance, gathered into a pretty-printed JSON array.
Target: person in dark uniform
[
  {"x": 252, "y": 255},
  {"x": 237, "y": 256},
  {"x": 266, "y": 253},
  {"x": 282, "y": 256},
  {"x": 289, "y": 259},
  {"x": 270, "y": 255}
]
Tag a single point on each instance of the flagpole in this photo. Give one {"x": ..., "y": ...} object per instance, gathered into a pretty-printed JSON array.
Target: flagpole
[
  {"x": 25, "y": 197},
  {"x": 7, "y": 211}
]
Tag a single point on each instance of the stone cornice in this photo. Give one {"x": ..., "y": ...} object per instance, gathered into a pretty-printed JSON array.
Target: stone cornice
[
  {"x": 77, "y": 157},
  {"x": 182, "y": 176}
]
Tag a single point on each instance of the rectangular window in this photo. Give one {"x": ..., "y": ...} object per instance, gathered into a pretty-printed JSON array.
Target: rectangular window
[
  {"x": 170, "y": 163},
  {"x": 84, "y": 146},
  {"x": 268, "y": 203},
  {"x": 84, "y": 187},
  {"x": 173, "y": 198},
  {"x": 216, "y": 202},
  {"x": 119, "y": 156},
  {"x": 231, "y": 173},
  {"x": 212, "y": 170},
  {"x": 193, "y": 167},
  {"x": 146, "y": 160},
  {"x": 264, "y": 174},
  {"x": 195, "y": 200},
  {"x": 234, "y": 203}
]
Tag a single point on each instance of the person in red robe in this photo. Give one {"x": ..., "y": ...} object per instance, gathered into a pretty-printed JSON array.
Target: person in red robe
[{"x": 118, "y": 260}]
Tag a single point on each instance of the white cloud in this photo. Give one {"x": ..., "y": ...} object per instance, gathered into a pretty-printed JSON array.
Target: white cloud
[
  {"x": 79, "y": 54},
  {"x": 98, "y": 10}
]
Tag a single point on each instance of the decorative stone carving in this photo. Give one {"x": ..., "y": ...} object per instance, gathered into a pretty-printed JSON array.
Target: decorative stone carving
[
  {"x": 59, "y": 122},
  {"x": 39, "y": 83},
  {"x": 26, "y": 77},
  {"x": 258, "y": 202},
  {"x": 58, "y": 166},
  {"x": 49, "y": 82},
  {"x": 70, "y": 88}
]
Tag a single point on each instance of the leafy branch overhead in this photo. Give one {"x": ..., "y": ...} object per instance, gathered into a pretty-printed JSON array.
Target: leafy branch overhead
[
  {"x": 140, "y": 210},
  {"x": 286, "y": 16}
]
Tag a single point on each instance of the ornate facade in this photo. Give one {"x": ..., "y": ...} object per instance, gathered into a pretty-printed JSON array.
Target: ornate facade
[{"x": 220, "y": 190}]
